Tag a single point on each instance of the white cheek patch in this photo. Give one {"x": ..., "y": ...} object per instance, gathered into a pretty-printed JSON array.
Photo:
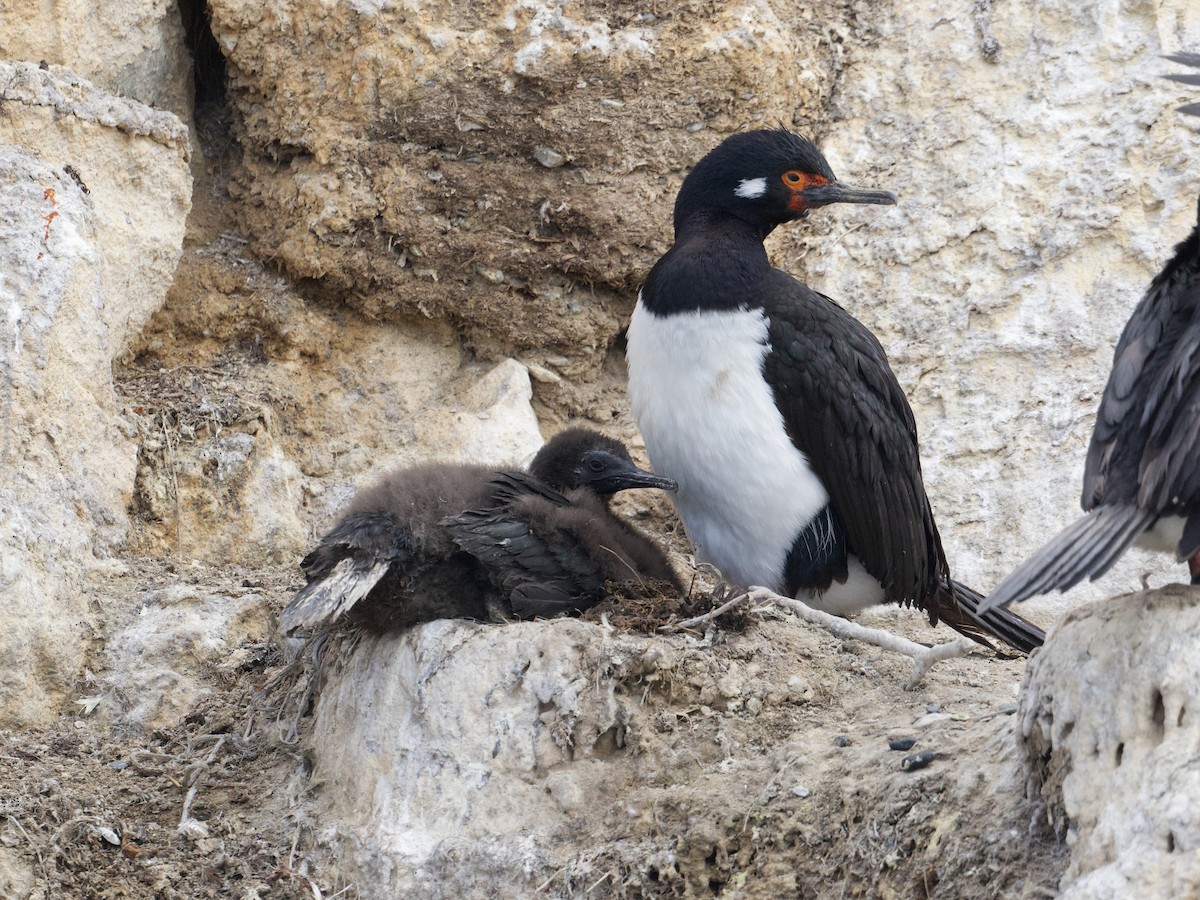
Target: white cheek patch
[{"x": 751, "y": 188}]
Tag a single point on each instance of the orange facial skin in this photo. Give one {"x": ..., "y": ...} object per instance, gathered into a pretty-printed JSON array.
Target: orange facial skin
[{"x": 797, "y": 183}]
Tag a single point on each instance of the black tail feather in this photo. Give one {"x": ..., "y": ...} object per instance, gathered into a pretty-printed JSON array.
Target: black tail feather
[
  {"x": 1101, "y": 544},
  {"x": 1018, "y": 633},
  {"x": 1187, "y": 59},
  {"x": 1087, "y": 548}
]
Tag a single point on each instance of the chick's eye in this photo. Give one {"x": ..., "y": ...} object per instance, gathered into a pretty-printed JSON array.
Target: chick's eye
[
  {"x": 792, "y": 179},
  {"x": 595, "y": 465}
]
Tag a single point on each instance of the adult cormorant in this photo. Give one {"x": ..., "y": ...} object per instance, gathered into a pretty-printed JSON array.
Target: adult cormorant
[{"x": 776, "y": 411}]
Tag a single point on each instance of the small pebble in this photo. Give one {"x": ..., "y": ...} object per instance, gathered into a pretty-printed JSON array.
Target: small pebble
[
  {"x": 841, "y": 740},
  {"x": 551, "y": 159},
  {"x": 933, "y": 707},
  {"x": 917, "y": 761},
  {"x": 902, "y": 744},
  {"x": 119, "y": 765},
  {"x": 801, "y": 791},
  {"x": 542, "y": 374}
]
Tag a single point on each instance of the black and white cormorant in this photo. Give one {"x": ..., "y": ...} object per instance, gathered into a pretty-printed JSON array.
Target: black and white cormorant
[
  {"x": 466, "y": 541},
  {"x": 1141, "y": 481},
  {"x": 776, "y": 411}
]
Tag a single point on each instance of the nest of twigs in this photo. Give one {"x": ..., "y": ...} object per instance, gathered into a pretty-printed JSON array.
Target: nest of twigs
[
  {"x": 190, "y": 403},
  {"x": 654, "y": 606}
]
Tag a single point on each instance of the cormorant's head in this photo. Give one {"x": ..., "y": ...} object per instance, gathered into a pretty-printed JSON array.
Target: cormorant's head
[
  {"x": 766, "y": 178},
  {"x": 580, "y": 457}
]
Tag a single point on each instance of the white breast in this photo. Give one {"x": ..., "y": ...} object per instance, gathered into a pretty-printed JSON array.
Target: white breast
[
  {"x": 710, "y": 422},
  {"x": 1164, "y": 535}
]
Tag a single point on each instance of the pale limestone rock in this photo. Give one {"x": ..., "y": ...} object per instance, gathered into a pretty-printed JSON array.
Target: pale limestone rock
[
  {"x": 274, "y": 530},
  {"x": 501, "y": 425},
  {"x": 459, "y": 414},
  {"x": 81, "y": 269},
  {"x": 471, "y": 723},
  {"x": 475, "y": 415},
  {"x": 252, "y": 494},
  {"x": 1043, "y": 178},
  {"x": 134, "y": 48},
  {"x": 239, "y": 499},
  {"x": 132, "y": 161},
  {"x": 1110, "y": 728},
  {"x": 160, "y": 658},
  {"x": 460, "y": 760}
]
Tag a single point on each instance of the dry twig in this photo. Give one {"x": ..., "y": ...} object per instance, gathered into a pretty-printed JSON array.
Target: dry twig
[
  {"x": 709, "y": 616},
  {"x": 189, "y": 827},
  {"x": 923, "y": 657}
]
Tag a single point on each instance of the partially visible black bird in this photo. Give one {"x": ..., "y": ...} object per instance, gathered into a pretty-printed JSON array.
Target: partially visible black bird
[
  {"x": 793, "y": 444},
  {"x": 466, "y": 541},
  {"x": 1141, "y": 482},
  {"x": 1187, "y": 59}
]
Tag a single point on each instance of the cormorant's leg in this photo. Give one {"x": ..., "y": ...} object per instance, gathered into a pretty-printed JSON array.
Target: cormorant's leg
[{"x": 1194, "y": 568}]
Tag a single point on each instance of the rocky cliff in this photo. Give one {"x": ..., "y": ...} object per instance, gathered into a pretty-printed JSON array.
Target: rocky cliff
[{"x": 256, "y": 252}]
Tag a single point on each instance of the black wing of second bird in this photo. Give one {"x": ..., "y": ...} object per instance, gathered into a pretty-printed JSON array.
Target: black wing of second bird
[
  {"x": 849, "y": 416},
  {"x": 1144, "y": 458},
  {"x": 530, "y": 549},
  {"x": 1147, "y": 414}
]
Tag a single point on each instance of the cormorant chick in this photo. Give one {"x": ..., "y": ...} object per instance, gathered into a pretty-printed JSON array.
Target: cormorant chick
[{"x": 439, "y": 540}]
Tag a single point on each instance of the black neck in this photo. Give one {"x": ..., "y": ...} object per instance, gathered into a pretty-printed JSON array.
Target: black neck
[
  {"x": 710, "y": 222},
  {"x": 716, "y": 263}
]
